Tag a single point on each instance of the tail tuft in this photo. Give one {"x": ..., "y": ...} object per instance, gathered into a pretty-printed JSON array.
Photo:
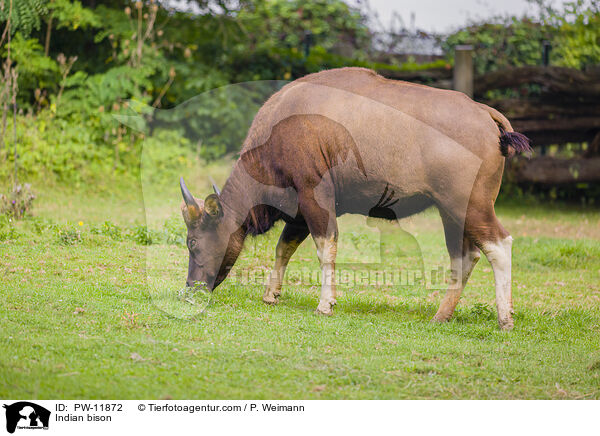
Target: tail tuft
[{"x": 513, "y": 143}]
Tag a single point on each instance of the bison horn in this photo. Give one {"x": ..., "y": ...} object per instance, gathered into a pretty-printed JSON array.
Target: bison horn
[
  {"x": 187, "y": 195},
  {"x": 214, "y": 185}
]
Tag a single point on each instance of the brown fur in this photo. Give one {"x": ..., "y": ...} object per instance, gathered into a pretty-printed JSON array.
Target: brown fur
[{"x": 342, "y": 141}]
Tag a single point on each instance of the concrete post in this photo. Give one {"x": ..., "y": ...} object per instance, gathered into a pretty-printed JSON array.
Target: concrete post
[{"x": 463, "y": 69}]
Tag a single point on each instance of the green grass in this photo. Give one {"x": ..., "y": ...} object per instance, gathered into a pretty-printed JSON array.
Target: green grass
[{"x": 80, "y": 319}]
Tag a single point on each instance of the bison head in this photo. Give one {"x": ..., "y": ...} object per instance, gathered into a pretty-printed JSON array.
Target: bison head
[{"x": 208, "y": 239}]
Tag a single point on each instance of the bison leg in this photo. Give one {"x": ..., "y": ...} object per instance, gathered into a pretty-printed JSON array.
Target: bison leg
[
  {"x": 321, "y": 220},
  {"x": 290, "y": 239},
  {"x": 463, "y": 258},
  {"x": 499, "y": 255},
  {"x": 483, "y": 227},
  {"x": 327, "y": 251}
]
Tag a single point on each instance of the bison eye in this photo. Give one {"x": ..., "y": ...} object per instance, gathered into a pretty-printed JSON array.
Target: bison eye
[{"x": 192, "y": 244}]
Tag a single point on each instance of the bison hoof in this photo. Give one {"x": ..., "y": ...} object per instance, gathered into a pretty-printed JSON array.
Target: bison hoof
[
  {"x": 324, "y": 307},
  {"x": 506, "y": 324},
  {"x": 441, "y": 318},
  {"x": 270, "y": 299}
]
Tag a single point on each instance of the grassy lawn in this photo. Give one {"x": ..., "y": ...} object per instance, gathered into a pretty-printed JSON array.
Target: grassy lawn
[{"x": 79, "y": 318}]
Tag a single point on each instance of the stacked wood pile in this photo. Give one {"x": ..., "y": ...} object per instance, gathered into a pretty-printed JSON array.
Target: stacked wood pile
[{"x": 555, "y": 106}]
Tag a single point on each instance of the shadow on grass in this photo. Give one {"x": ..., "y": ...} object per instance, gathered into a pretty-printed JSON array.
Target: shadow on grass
[
  {"x": 353, "y": 304},
  {"x": 477, "y": 321}
]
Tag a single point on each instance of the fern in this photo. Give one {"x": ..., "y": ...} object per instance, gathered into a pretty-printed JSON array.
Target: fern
[
  {"x": 72, "y": 15},
  {"x": 26, "y": 14}
]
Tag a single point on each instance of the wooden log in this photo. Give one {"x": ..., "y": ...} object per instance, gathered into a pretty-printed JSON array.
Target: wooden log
[
  {"x": 557, "y": 80},
  {"x": 566, "y": 110},
  {"x": 594, "y": 147},
  {"x": 579, "y": 123},
  {"x": 546, "y": 170},
  {"x": 559, "y": 130},
  {"x": 420, "y": 76},
  {"x": 516, "y": 108},
  {"x": 557, "y": 137},
  {"x": 548, "y": 122}
]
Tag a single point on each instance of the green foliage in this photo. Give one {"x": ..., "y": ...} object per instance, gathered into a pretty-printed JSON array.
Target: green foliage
[
  {"x": 284, "y": 23},
  {"x": 108, "y": 229},
  {"x": 164, "y": 154},
  {"x": 98, "y": 96},
  {"x": 578, "y": 36},
  {"x": 76, "y": 119},
  {"x": 142, "y": 236},
  {"x": 217, "y": 120},
  {"x": 164, "y": 59},
  {"x": 65, "y": 152},
  {"x": 72, "y": 15},
  {"x": 512, "y": 42},
  {"x": 175, "y": 232},
  {"x": 26, "y": 14},
  {"x": 18, "y": 202},
  {"x": 7, "y": 229},
  {"x": 68, "y": 236},
  {"x": 479, "y": 311},
  {"x": 573, "y": 33},
  {"x": 35, "y": 69}
]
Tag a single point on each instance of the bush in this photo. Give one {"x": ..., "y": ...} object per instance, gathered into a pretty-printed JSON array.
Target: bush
[
  {"x": 142, "y": 235},
  {"x": 512, "y": 42},
  {"x": 7, "y": 229},
  {"x": 41, "y": 225},
  {"x": 69, "y": 236},
  {"x": 175, "y": 231},
  {"x": 108, "y": 229},
  {"x": 18, "y": 202}
]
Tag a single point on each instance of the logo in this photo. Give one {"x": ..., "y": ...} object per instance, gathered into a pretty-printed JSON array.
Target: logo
[{"x": 26, "y": 415}]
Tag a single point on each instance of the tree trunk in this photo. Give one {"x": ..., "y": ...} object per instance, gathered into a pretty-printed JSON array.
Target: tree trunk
[
  {"x": 48, "y": 35},
  {"x": 546, "y": 170}
]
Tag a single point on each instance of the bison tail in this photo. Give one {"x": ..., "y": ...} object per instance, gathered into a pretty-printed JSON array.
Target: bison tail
[{"x": 513, "y": 143}]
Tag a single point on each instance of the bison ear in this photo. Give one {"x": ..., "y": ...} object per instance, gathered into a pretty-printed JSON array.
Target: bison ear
[
  {"x": 212, "y": 207},
  {"x": 191, "y": 214}
]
